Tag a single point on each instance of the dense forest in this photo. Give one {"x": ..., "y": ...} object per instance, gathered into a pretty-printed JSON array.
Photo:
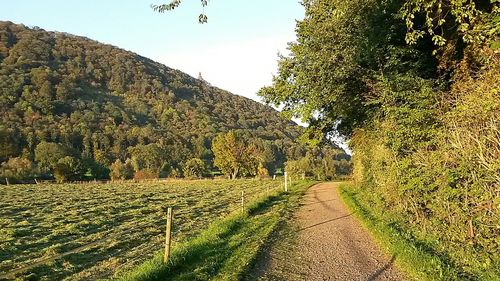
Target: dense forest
[
  {"x": 75, "y": 108},
  {"x": 415, "y": 87}
]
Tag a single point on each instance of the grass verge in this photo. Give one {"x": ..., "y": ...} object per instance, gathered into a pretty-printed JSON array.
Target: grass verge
[
  {"x": 227, "y": 249},
  {"x": 416, "y": 258}
]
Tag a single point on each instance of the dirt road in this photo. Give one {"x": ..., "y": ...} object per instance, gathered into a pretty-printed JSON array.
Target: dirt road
[{"x": 330, "y": 244}]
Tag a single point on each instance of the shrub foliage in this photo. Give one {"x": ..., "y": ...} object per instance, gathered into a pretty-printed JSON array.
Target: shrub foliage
[{"x": 414, "y": 85}]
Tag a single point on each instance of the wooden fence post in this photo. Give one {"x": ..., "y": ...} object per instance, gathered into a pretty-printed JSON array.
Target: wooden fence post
[
  {"x": 7, "y": 181},
  {"x": 286, "y": 182},
  {"x": 168, "y": 235},
  {"x": 242, "y": 201}
]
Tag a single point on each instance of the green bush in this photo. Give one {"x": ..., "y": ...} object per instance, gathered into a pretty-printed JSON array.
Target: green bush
[
  {"x": 121, "y": 171},
  {"x": 440, "y": 178},
  {"x": 194, "y": 168},
  {"x": 67, "y": 168},
  {"x": 17, "y": 168}
]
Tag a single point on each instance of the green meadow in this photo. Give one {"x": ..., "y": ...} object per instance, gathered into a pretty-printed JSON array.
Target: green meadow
[{"x": 78, "y": 231}]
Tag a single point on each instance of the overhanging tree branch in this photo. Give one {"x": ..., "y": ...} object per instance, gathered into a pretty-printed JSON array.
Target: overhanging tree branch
[{"x": 202, "y": 18}]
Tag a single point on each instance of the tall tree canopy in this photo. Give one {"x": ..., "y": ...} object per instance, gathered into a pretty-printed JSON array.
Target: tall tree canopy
[
  {"x": 414, "y": 85},
  {"x": 344, "y": 51},
  {"x": 233, "y": 154}
]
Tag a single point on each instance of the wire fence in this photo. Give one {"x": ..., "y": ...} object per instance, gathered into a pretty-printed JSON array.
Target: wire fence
[
  {"x": 147, "y": 249},
  {"x": 6, "y": 181}
]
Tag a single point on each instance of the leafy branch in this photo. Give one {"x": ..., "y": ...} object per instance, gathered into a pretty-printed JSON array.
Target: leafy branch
[{"x": 202, "y": 18}]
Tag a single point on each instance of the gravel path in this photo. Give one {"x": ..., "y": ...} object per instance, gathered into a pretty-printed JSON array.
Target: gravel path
[{"x": 330, "y": 244}]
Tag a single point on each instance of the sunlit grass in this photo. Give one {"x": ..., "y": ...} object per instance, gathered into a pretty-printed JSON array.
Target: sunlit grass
[
  {"x": 417, "y": 258},
  {"x": 226, "y": 250},
  {"x": 123, "y": 223}
]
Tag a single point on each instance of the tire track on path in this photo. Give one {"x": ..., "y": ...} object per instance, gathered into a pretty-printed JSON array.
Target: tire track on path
[{"x": 330, "y": 244}]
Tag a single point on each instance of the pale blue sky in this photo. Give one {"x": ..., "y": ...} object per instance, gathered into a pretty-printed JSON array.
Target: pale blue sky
[{"x": 236, "y": 50}]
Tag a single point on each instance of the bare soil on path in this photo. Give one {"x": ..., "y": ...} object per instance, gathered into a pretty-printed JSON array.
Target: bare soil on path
[{"x": 328, "y": 243}]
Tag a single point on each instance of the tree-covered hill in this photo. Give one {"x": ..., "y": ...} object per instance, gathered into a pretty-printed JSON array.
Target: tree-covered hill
[{"x": 99, "y": 103}]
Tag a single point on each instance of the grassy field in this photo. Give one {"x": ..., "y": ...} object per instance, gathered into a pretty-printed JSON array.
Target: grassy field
[
  {"x": 78, "y": 232},
  {"x": 228, "y": 248}
]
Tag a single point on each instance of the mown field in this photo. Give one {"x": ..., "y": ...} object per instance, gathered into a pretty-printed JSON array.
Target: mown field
[{"x": 93, "y": 231}]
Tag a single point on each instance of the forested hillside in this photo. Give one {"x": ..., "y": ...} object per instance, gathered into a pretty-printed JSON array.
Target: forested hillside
[
  {"x": 77, "y": 106},
  {"x": 415, "y": 86}
]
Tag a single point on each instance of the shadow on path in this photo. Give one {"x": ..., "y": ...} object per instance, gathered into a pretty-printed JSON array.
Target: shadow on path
[
  {"x": 317, "y": 202},
  {"x": 322, "y": 202},
  {"x": 381, "y": 270},
  {"x": 323, "y": 222}
]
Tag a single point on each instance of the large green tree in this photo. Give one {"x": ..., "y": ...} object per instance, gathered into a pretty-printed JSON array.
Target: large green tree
[
  {"x": 59, "y": 160},
  {"x": 149, "y": 157},
  {"x": 344, "y": 51},
  {"x": 48, "y": 154},
  {"x": 233, "y": 155},
  {"x": 194, "y": 168},
  {"x": 398, "y": 78}
]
